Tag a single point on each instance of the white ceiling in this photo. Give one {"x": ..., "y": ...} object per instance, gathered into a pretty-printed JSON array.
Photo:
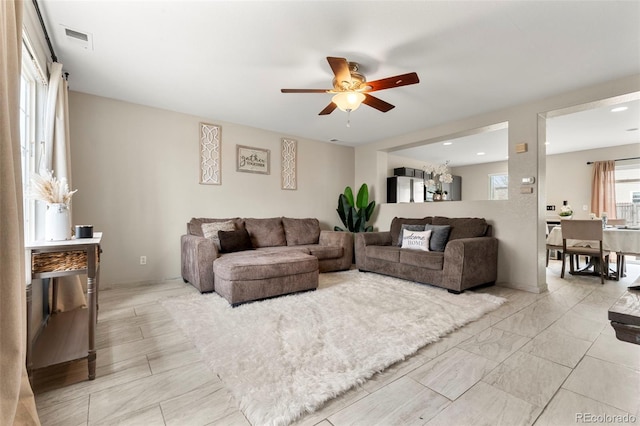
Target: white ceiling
[{"x": 228, "y": 60}]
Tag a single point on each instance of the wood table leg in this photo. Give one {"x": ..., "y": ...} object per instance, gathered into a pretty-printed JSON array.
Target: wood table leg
[{"x": 91, "y": 295}]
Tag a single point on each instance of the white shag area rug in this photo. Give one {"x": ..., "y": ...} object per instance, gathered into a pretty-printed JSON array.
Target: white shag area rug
[{"x": 282, "y": 358}]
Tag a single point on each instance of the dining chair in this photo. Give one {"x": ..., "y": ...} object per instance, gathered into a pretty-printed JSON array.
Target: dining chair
[
  {"x": 550, "y": 247},
  {"x": 585, "y": 230},
  {"x": 558, "y": 252},
  {"x": 620, "y": 261}
]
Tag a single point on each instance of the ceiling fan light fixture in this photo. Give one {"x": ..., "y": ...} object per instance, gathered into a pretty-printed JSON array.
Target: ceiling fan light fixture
[{"x": 348, "y": 101}]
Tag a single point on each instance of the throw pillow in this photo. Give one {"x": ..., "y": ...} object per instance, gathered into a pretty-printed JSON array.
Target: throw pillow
[
  {"x": 210, "y": 230},
  {"x": 439, "y": 236},
  {"x": 416, "y": 240},
  {"x": 232, "y": 241},
  {"x": 408, "y": 227}
]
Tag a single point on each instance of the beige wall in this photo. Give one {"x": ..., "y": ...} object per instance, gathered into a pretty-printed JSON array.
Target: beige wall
[
  {"x": 569, "y": 176},
  {"x": 518, "y": 222},
  {"x": 136, "y": 171}
]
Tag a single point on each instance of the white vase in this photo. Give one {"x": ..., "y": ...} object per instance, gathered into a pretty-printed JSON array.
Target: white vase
[{"x": 57, "y": 222}]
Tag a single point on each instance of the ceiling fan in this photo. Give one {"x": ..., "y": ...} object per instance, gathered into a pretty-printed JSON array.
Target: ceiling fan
[{"x": 350, "y": 88}]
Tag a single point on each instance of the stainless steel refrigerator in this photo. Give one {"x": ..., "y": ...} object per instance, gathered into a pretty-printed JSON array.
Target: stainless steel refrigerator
[{"x": 404, "y": 189}]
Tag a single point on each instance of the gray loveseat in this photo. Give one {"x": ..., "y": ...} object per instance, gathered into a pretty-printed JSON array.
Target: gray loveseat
[
  {"x": 270, "y": 238},
  {"x": 469, "y": 257}
]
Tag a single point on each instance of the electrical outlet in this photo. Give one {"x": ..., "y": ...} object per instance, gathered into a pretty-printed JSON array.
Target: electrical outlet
[
  {"x": 143, "y": 260},
  {"x": 551, "y": 208},
  {"x": 585, "y": 207}
]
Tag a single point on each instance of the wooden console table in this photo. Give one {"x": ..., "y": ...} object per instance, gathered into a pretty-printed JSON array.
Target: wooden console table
[
  {"x": 67, "y": 336},
  {"x": 625, "y": 317}
]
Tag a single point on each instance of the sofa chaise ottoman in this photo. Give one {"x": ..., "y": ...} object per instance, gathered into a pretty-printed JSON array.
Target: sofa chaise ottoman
[
  {"x": 242, "y": 278},
  {"x": 201, "y": 249}
]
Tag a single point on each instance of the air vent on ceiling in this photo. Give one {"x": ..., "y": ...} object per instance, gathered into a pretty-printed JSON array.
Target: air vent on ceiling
[
  {"x": 81, "y": 39},
  {"x": 76, "y": 34}
]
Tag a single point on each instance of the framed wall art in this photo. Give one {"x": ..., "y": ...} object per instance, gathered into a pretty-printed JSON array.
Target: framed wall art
[
  {"x": 253, "y": 160},
  {"x": 210, "y": 149},
  {"x": 289, "y": 172}
]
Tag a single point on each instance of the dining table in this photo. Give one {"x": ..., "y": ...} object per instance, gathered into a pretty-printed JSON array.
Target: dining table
[{"x": 622, "y": 240}]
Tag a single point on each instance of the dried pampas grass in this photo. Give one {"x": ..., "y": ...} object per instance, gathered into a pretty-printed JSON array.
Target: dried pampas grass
[{"x": 50, "y": 189}]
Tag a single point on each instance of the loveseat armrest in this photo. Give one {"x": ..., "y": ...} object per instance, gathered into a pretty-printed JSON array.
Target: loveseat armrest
[
  {"x": 197, "y": 255},
  {"x": 469, "y": 262},
  {"x": 363, "y": 239},
  {"x": 339, "y": 239}
]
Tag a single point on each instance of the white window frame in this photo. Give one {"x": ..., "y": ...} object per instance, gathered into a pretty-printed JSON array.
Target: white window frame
[
  {"x": 32, "y": 96},
  {"x": 493, "y": 187}
]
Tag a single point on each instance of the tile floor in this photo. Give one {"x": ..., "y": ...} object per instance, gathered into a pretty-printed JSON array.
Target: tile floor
[{"x": 543, "y": 359}]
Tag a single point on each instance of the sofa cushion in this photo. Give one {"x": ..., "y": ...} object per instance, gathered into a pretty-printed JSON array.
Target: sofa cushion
[
  {"x": 439, "y": 236},
  {"x": 388, "y": 253},
  {"x": 408, "y": 228},
  {"x": 194, "y": 226},
  {"x": 301, "y": 231},
  {"x": 423, "y": 259},
  {"x": 326, "y": 252},
  {"x": 261, "y": 266},
  {"x": 266, "y": 232},
  {"x": 232, "y": 241},
  {"x": 463, "y": 227},
  {"x": 396, "y": 226},
  {"x": 210, "y": 230},
  {"x": 416, "y": 240}
]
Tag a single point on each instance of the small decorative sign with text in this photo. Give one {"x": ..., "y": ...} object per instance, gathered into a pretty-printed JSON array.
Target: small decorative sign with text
[{"x": 252, "y": 160}]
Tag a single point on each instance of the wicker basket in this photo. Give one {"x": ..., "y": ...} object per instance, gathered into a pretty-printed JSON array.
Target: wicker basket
[{"x": 58, "y": 261}]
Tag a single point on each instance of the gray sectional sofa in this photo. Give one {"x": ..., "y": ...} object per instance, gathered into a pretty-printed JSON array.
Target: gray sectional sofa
[
  {"x": 469, "y": 255},
  {"x": 260, "y": 258}
]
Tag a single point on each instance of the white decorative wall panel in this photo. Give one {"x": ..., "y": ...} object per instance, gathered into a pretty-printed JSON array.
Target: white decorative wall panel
[
  {"x": 210, "y": 148},
  {"x": 289, "y": 163}
]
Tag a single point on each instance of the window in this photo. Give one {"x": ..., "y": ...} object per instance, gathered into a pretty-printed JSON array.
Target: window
[
  {"x": 32, "y": 90},
  {"x": 499, "y": 186},
  {"x": 628, "y": 191}
]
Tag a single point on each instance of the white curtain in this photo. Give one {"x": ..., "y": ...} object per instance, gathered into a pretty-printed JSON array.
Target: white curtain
[
  {"x": 58, "y": 159},
  {"x": 17, "y": 405}
]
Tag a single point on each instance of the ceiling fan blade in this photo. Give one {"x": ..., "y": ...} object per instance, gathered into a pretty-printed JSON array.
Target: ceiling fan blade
[
  {"x": 328, "y": 109},
  {"x": 395, "y": 81},
  {"x": 303, "y": 90},
  {"x": 340, "y": 68},
  {"x": 377, "y": 103}
]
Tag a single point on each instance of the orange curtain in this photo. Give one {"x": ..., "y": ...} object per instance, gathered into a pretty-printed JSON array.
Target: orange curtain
[
  {"x": 603, "y": 188},
  {"x": 17, "y": 405}
]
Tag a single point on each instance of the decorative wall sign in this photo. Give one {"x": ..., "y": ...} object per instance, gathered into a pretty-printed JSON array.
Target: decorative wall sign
[
  {"x": 253, "y": 160},
  {"x": 289, "y": 150},
  {"x": 210, "y": 154}
]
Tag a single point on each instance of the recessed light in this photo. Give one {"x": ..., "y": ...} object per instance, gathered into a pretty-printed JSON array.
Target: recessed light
[
  {"x": 620, "y": 109},
  {"x": 479, "y": 153},
  {"x": 547, "y": 143},
  {"x": 447, "y": 143}
]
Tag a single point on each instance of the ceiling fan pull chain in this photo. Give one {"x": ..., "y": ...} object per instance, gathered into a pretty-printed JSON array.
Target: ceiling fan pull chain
[{"x": 348, "y": 118}]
